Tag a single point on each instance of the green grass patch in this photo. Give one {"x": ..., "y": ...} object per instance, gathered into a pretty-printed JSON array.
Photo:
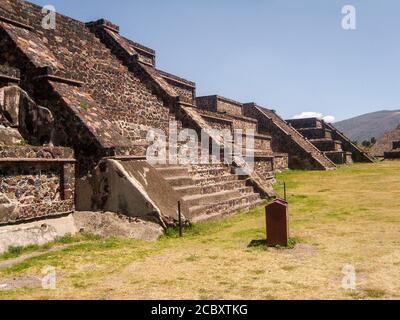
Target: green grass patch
[
  {"x": 16, "y": 251},
  {"x": 214, "y": 226}
]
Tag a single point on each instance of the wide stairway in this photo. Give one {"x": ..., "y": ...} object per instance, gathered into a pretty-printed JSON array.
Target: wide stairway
[
  {"x": 209, "y": 190},
  {"x": 296, "y": 137}
]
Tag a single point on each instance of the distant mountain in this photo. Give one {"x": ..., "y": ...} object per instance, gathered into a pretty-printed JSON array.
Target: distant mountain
[{"x": 369, "y": 125}]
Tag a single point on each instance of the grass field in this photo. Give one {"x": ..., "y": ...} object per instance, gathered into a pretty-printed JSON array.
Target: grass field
[{"x": 350, "y": 216}]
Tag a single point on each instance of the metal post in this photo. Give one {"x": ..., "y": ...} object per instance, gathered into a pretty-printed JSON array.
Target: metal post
[
  {"x": 180, "y": 219},
  {"x": 284, "y": 190}
]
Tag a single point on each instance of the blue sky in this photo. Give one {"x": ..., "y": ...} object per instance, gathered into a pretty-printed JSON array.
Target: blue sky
[{"x": 292, "y": 55}]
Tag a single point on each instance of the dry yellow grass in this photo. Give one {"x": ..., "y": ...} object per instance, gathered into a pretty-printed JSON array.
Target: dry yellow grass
[{"x": 349, "y": 216}]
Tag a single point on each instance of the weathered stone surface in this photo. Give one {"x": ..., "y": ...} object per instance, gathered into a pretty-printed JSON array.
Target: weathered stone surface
[
  {"x": 133, "y": 188},
  {"x": 220, "y": 104},
  {"x": 9, "y": 136},
  {"x": 39, "y": 232},
  {"x": 34, "y": 123},
  {"x": 35, "y": 182},
  {"x": 108, "y": 224}
]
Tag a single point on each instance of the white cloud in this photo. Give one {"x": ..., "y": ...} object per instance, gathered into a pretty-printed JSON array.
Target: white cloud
[
  {"x": 329, "y": 119},
  {"x": 310, "y": 114}
]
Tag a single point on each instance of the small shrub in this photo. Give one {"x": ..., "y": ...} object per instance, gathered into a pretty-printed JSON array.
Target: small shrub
[
  {"x": 66, "y": 239},
  {"x": 15, "y": 251}
]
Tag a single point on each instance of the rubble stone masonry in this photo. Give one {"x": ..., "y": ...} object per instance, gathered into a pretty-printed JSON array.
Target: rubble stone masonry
[{"x": 35, "y": 182}]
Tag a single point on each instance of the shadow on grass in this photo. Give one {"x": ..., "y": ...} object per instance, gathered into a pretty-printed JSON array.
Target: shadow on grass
[
  {"x": 293, "y": 241},
  {"x": 257, "y": 243}
]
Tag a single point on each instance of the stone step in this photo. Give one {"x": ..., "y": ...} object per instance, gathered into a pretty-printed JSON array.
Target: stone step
[
  {"x": 327, "y": 144},
  {"x": 197, "y": 173},
  {"x": 205, "y": 199},
  {"x": 246, "y": 190},
  {"x": 208, "y": 166},
  {"x": 173, "y": 171},
  {"x": 221, "y": 186},
  {"x": 180, "y": 181},
  {"x": 225, "y": 206},
  {"x": 207, "y": 181},
  {"x": 235, "y": 209}
]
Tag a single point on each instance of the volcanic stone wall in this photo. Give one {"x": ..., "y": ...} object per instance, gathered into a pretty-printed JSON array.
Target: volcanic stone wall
[
  {"x": 184, "y": 88},
  {"x": 126, "y": 98},
  {"x": 220, "y": 104},
  {"x": 35, "y": 182},
  {"x": 307, "y": 123},
  {"x": 264, "y": 167}
]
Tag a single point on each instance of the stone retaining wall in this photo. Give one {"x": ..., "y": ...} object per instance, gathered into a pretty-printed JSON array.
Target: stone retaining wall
[{"x": 35, "y": 182}]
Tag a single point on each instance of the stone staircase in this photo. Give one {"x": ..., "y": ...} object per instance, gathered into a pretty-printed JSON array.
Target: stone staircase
[
  {"x": 358, "y": 154},
  {"x": 330, "y": 141},
  {"x": 209, "y": 190},
  {"x": 290, "y": 133}
]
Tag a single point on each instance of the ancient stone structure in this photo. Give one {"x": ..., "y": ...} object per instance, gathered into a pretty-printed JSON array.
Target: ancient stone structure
[
  {"x": 35, "y": 181},
  {"x": 385, "y": 144},
  {"x": 222, "y": 113},
  {"x": 77, "y": 104},
  {"x": 302, "y": 153},
  {"x": 334, "y": 144},
  {"x": 277, "y": 144},
  {"x": 395, "y": 152},
  {"x": 86, "y": 87}
]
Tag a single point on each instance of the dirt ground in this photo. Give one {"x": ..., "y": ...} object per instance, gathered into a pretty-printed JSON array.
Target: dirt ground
[{"x": 342, "y": 221}]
